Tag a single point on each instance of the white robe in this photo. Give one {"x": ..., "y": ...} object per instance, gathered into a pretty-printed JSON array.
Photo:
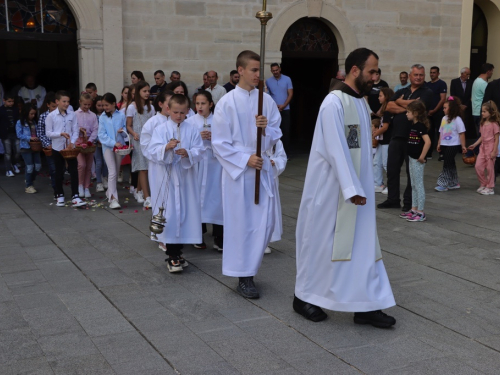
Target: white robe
[
  {"x": 179, "y": 194},
  {"x": 209, "y": 176},
  {"x": 247, "y": 226},
  {"x": 155, "y": 170},
  {"x": 279, "y": 157},
  {"x": 360, "y": 284}
]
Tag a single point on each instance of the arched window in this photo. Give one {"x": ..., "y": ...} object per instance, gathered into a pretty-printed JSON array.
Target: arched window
[
  {"x": 311, "y": 36},
  {"x": 37, "y": 16}
]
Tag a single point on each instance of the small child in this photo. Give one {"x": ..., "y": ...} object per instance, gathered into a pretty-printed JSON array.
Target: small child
[
  {"x": 278, "y": 159},
  {"x": 488, "y": 150},
  {"x": 419, "y": 143},
  {"x": 9, "y": 116},
  {"x": 209, "y": 172},
  {"x": 383, "y": 135},
  {"x": 111, "y": 126},
  {"x": 62, "y": 128},
  {"x": 177, "y": 147},
  {"x": 101, "y": 170},
  {"x": 375, "y": 127},
  {"x": 451, "y": 141},
  {"x": 87, "y": 122},
  {"x": 26, "y": 132}
]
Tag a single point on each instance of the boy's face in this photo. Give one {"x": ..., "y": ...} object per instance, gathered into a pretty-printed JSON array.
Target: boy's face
[
  {"x": 8, "y": 102},
  {"x": 249, "y": 76},
  {"x": 91, "y": 92},
  {"x": 63, "y": 103},
  {"x": 52, "y": 106},
  {"x": 178, "y": 112}
]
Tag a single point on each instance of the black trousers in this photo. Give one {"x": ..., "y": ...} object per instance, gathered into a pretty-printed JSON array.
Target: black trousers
[
  {"x": 396, "y": 156},
  {"x": 217, "y": 230},
  {"x": 435, "y": 122},
  {"x": 60, "y": 163},
  {"x": 285, "y": 129},
  {"x": 174, "y": 249}
]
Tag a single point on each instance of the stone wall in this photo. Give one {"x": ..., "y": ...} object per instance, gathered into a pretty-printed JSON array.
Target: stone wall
[{"x": 196, "y": 36}]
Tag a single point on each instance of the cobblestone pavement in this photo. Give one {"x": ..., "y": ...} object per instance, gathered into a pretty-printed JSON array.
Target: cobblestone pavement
[{"x": 87, "y": 292}]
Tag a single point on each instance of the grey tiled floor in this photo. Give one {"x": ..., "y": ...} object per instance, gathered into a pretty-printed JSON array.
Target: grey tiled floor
[{"x": 87, "y": 292}]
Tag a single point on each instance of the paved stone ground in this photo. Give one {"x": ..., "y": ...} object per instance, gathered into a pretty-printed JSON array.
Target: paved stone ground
[{"x": 87, "y": 292}]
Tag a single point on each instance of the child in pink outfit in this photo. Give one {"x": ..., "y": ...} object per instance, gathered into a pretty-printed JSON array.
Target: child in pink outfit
[
  {"x": 86, "y": 120},
  {"x": 488, "y": 149}
]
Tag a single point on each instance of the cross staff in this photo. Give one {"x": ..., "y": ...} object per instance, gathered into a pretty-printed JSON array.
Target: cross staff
[{"x": 263, "y": 17}]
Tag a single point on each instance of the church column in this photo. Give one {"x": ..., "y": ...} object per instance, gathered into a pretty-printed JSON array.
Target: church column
[
  {"x": 113, "y": 45},
  {"x": 90, "y": 56}
]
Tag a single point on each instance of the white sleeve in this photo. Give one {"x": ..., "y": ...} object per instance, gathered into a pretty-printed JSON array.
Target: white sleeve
[
  {"x": 131, "y": 110},
  {"x": 460, "y": 125}
]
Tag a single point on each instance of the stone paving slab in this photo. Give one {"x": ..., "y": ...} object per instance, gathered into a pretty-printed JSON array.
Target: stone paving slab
[{"x": 87, "y": 292}]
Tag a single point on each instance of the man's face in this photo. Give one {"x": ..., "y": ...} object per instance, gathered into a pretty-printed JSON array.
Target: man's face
[
  {"x": 235, "y": 79},
  {"x": 175, "y": 77},
  {"x": 159, "y": 79},
  {"x": 489, "y": 73},
  {"x": 364, "y": 81},
  {"x": 29, "y": 81},
  {"x": 249, "y": 76},
  {"x": 91, "y": 92},
  {"x": 377, "y": 77},
  {"x": 205, "y": 81},
  {"x": 434, "y": 74},
  {"x": 8, "y": 102},
  {"x": 465, "y": 75},
  {"x": 212, "y": 78},
  {"x": 403, "y": 78},
  {"x": 417, "y": 77},
  {"x": 276, "y": 70}
]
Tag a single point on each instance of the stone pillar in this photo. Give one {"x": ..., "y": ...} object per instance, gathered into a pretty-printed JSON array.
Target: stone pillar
[
  {"x": 113, "y": 46},
  {"x": 90, "y": 56}
]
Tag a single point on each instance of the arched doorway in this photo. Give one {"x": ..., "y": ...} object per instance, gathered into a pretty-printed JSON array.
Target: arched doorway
[
  {"x": 38, "y": 37},
  {"x": 479, "y": 41},
  {"x": 310, "y": 58}
]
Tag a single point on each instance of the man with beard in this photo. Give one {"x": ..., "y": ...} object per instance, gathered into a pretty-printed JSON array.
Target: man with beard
[
  {"x": 400, "y": 133},
  {"x": 234, "y": 78},
  {"x": 339, "y": 264}
]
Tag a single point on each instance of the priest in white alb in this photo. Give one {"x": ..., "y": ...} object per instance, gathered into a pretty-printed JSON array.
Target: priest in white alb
[
  {"x": 247, "y": 226},
  {"x": 339, "y": 261}
]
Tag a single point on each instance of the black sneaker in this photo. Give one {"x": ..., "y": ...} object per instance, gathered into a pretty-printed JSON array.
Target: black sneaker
[
  {"x": 375, "y": 318},
  {"x": 308, "y": 310},
  {"x": 441, "y": 158},
  {"x": 200, "y": 245},
  {"x": 247, "y": 288},
  {"x": 183, "y": 261},
  {"x": 389, "y": 204},
  {"x": 174, "y": 264}
]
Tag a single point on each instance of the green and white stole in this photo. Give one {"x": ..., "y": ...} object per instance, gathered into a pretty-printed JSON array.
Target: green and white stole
[{"x": 347, "y": 212}]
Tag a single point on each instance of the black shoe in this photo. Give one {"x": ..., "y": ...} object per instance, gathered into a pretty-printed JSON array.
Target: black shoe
[
  {"x": 200, "y": 245},
  {"x": 441, "y": 158},
  {"x": 309, "y": 311},
  {"x": 247, "y": 288},
  {"x": 406, "y": 208},
  {"x": 375, "y": 318},
  {"x": 389, "y": 204}
]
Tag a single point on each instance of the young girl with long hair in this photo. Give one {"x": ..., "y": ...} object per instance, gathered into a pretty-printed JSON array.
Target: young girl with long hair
[
  {"x": 383, "y": 134},
  {"x": 138, "y": 113},
  {"x": 485, "y": 162},
  {"x": 451, "y": 141},
  {"x": 209, "y": 172},
  {"x": 123, "y": 98},
  {"x": 111, "y": 128},
  {"x": 101, "y": 170},
  {"x": 26, "y": 132},
  {"x": 419, "y": 143}
]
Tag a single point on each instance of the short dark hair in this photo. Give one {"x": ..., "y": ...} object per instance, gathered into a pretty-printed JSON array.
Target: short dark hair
[
  {"x": 138, "y": 74},
  {"x": 109, "y": 97},
  {"x": 244, "y": 57},
  {"x": 435, "y": 67},
  {"x": 275, "y": 64},
  {"x": 9, "y": 95},
  {"x": 178, "y": 99},
  {"x": 358, "y": 58},
  {"x": 403, "y": 72},
  {"x": 485, "y": 68},
  {"x": 175, "y": 72},
  {"x": 233, "y": 72},
  {"x": 50, "y": 97},
  {"x": 61, "y": 93},
  {"x": 159, "y": 72},
  {"x": 91, "y": 85}
]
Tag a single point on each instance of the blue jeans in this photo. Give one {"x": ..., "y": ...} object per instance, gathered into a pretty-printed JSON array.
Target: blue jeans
[
  {"x": 101, "y": 170},
  {"x": 12, "y": 149},
  {"x": 379, "y": 164},
  {"x": 33, "y": 165},
  {"x": 417, "y": 183}
]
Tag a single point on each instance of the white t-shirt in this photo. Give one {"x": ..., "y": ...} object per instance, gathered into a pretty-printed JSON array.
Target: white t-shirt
[
  {"x": 131, "y": 110},
  {"x": 450, "y": 132}
]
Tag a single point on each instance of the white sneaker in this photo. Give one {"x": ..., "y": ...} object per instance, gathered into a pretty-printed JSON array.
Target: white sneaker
[
  {"x": 481, "y": 188},
  {"x": 77, "y": 202},
  {"x": 379, "y": 189},
  {"x": 162, "y": 246},
  {"x": 30, "y": 190},
  {"x": 132, "y": 190},
  {"x": 139, "y": 197},
  {"x": 147, "y": 202},
  {"x": 487, "y": 191},
  {"x": 105, "y": 182},
  {"x": 16, "y": 169},
  {"x": 60, "y": 202},
  {"x": 100, "y": 187},
  {"x": 81, "y": 192},
  {"x": 114, "y": 204},
  {"x": 10, "y": 174},
  {"x": 385, "y": 191},
  {"x": 268, "y": 250},
  {"x": 120, "y": 176},
  {"x": 87, "y": 193}
]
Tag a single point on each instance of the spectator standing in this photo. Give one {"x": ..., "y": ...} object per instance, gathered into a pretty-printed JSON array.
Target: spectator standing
[
  {"x": 137, "y": 76},
  {"x": 375, "y": 91},
  {"x": 493, "y": 92},
  {"x": 403, "y": 78},
  {"x": 175, "y": 76},
  {"x": 161, "y": 84},
  {"x": 215, "y": 89},
  {"x": 435, "y": 111},
  {"x": 281, "y": 90},
  {"x": 9, "y": 115},
  {"x": 461, "y": 88},
  {"x": 32, "y": 92},
  {"x": 234, "y": 78},
  {"x": 206, "y": 84},
  {"x": 478, "y": 91}
]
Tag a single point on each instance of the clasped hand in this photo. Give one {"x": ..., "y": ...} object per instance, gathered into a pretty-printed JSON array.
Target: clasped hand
[
  {"x": 206, "y": 135},
  {"x": 172, "y": 144},
  {"x": 358, "y": 200}
]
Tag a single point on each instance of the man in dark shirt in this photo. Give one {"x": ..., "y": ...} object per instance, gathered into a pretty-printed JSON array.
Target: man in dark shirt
[
  {"x": 435, "y": 111},
  {"x": 161, "y": 84},
  {"x": 205, "y": 85},
  {"x": 461, "y": 87},
  {"x": 375, "y": 91},
  {"x": 400, "y": 132},
  {"x": 9, "y": 115},
  {"x": 234, "y": 78}
]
